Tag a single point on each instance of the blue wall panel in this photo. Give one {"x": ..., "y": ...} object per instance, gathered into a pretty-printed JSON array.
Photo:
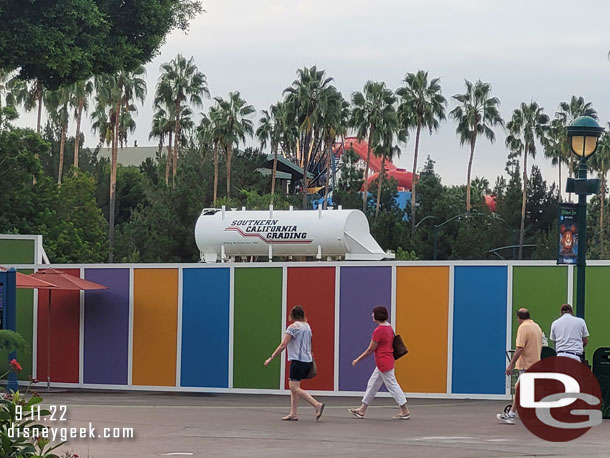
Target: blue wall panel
[
  {"x": 205, "y": 328},
  {"x": 479, "y": 330}
]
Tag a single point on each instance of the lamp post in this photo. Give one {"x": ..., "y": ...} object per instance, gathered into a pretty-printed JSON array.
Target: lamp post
[{"x": 583, "y": 135}]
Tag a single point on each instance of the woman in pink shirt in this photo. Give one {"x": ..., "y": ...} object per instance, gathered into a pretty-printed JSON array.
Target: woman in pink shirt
[{"x": 381, "y": 345}]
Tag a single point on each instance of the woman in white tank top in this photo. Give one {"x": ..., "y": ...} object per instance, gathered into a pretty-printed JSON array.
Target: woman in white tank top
[{"x": 298, "y": 342}]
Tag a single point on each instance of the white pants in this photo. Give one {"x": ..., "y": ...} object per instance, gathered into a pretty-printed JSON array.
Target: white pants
[
  {"x": 569, "y": 355},
  {"x": 377, "y": 379}
]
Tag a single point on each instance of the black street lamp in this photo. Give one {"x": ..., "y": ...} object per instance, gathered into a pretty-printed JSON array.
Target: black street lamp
[{"x": 583, "y": 135}]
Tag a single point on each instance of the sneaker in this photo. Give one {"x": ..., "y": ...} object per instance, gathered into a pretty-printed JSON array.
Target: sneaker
[{"x": 508, "y": 418}]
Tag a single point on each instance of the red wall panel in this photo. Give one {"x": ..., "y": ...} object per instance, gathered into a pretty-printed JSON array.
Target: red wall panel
[
  {"x": 314, "y": 289},
  {"x": 65, "y": 325}
]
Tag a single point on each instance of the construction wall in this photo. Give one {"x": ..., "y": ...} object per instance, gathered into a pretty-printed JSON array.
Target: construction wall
[{"x": 197, "y": 327}]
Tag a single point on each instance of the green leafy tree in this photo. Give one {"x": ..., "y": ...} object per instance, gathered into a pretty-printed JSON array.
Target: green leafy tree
[
  {"x": 268, "y": 132},
  {"x": 527, "y": 126},
  {"x": 422, "y": 105},
  {"x": 476, "y": 115},
  {"x": 60, "y": 43}
]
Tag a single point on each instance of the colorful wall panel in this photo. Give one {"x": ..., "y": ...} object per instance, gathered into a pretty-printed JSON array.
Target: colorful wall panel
[
  {"x": 155, "y": 323},
  {"x": 362, "y": 288},
  {"x": 314, "y": 289},
  {"x": 64, "y": 315},
  {"x": 542, "y": 290},
  {"x": 257, "y": 326},
  {"x": 205, "y": 328},
  {"x": 106, "y": 322},
  {"x": 25, "y": 317},
  {"x": 422, "y": 304},
  {"x": 17, "y": 251},
  {"x": 479, "y": 330},
  {"x": 597, "y": 309}
]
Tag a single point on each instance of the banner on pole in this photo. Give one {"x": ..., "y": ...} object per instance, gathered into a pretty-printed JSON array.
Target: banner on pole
[{"x": 568, "y": 234}]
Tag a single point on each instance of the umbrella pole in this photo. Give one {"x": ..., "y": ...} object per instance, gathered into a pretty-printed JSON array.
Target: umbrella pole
[{"x": 49, "y": 343}]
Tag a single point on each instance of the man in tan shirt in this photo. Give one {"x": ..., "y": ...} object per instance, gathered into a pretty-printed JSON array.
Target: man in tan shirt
[{"x": 527, "y": 353}]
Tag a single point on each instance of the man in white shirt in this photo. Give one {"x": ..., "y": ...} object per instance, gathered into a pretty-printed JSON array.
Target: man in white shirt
[{"x": 570, "y": 334}]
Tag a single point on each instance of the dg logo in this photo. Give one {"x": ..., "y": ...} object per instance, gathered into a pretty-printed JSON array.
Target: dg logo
[{"x": 559, "y": 399}]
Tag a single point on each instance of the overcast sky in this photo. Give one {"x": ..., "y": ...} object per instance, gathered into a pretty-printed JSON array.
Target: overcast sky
[{"x": 545, "y": 50}]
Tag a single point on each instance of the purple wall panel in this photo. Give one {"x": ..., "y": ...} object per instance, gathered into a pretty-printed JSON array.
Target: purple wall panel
[
  {"x": 106, "y": 338},
  {"x": 362, "y": 288}
]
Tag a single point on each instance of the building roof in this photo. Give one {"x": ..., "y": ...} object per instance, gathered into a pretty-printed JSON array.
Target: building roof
[
  {"x": 131, "y": 155},
  {"x": 278, "y": 174},
  {"x": 287, "y": 166}
]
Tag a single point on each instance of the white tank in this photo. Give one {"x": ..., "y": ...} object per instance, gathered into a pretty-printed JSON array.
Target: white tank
[{"x": 226, "y": 233}]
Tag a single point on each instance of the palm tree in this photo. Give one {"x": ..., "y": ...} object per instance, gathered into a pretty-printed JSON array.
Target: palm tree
[
  {"x": 367, "y": 114},
  {"x": 303, "y": 104},
  {"x": 556, "y": 148},
  {"x": 180, "y": 82},
  {"x": 27, "y": 93},
  {"x": 568, "y": 112},
  {"x": 234, "y": 125},
  {"x": 106, "y": 120},
  {"x": 333, "y": 122},
  {"x": 476, "y": 115},
  {"x": 56, "y": 103},
  {"x": 269, "y": 131},
  {"x": 81, "y": 92},
  {"x": 384, "y": 144},
  {"x": 421, "y": 105},
  {"x": 528, "y": 124}
]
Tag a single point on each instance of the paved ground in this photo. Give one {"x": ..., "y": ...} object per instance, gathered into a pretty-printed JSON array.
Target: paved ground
[{"x": 249, "y": 426}]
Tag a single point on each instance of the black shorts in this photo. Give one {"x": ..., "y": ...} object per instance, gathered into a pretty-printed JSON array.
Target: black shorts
[{"x": 299, "y": 370}]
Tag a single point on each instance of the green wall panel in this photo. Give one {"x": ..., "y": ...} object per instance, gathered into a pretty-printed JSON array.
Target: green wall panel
[
  {"x": 597, "y": 307},
  {"x": 542, "y": 290},
  {"x": 25, "y": 320},
  {"x": 257, "y": 326},
  {"x": 17, "y": 251}
]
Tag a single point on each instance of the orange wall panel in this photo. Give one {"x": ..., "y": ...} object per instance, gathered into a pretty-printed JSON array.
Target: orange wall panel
[
  {"x": 422, "y": 307},
  {"x": 155, "y": 322}
]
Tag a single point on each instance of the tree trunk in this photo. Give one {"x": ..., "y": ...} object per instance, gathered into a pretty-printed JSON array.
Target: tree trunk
[
  {"x": 168, "y": 159},
  {"x": 305, "y": 150},
  {"x": 79, "y": 115},
  {"x": 215, "y": 173},
  {"x": 273, "y": 171},
  {"x": 176, "y": 142},
  {"x": 523, "y": 203},
  {"x": 39, "y": 97},
  {"x": 559, "y": 196},
  {"x": 229, "y": 155},
  {"x": 62, "y": 145},
  {"x": 472, "y": 145},
  {"x": 379, "y": 185},
  {"x": 365, "y": 194},
  {"x": 413, "y": 182},
  {"x": 329, "y": 151},
  {"x": 570, "y": 172},
  {"x": 113, "y": 173}
]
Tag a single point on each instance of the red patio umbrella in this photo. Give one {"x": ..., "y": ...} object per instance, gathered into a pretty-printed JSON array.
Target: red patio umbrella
[
  {"x": 62, "y": 282},
  {"x": 25, "y": 281}
]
